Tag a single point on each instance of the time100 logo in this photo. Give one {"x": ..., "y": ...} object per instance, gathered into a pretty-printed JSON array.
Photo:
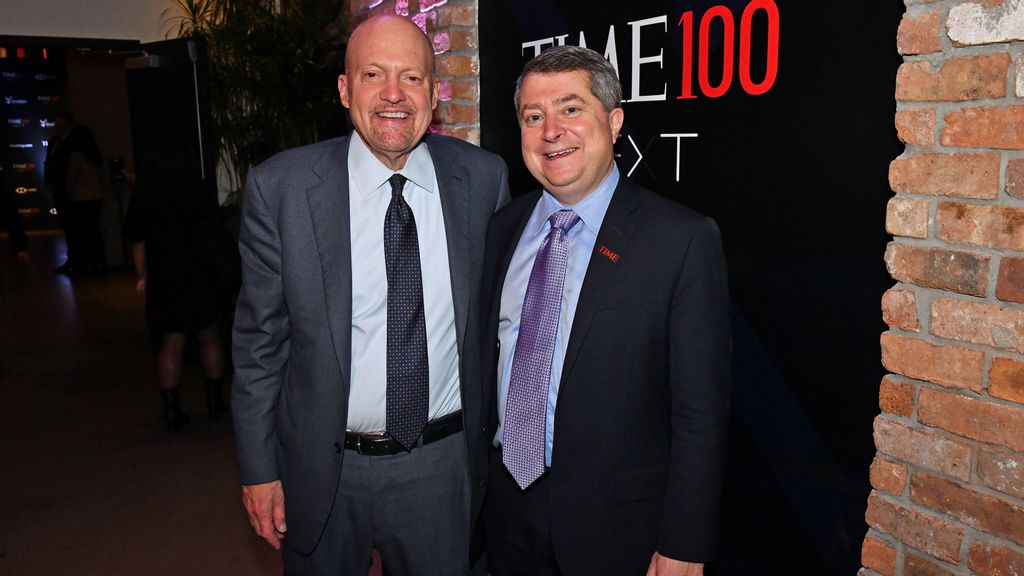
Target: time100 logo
[{"x": 723, "y": 16}]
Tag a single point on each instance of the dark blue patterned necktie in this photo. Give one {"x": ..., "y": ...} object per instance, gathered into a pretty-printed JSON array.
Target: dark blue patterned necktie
[
  {"x": 527, "y": 403},
  {"x": 408, "y": 376}
]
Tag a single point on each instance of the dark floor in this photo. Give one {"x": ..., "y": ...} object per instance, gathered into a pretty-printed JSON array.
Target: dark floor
[{"x": 90, "y": 481}]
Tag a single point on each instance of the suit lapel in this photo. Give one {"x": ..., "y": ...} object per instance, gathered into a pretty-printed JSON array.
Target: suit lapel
[
  {"x": 453, "y": 186},
  {"x": 615, "y": 234},
  {"x": 329, "y": 210}
]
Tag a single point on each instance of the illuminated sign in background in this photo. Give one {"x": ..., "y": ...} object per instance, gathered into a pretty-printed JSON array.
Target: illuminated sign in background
[
  {"x": 32, "y": 88},
  {"x": 774, "y": 117}
]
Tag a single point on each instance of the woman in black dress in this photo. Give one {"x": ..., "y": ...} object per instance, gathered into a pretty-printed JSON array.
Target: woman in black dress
[{"x": 169, "y": 222}]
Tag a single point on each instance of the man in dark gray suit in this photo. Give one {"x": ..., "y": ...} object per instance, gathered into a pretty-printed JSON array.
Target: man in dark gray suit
[
  {"x": 356, "y": 339},
  {"x": 608, "y": 394}
]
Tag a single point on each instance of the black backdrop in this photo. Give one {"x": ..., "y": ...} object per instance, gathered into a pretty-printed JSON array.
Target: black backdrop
[{"x": 796, "y": 178}]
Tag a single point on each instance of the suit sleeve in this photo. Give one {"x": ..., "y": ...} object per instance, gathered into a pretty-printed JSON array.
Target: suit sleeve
[
  {"x": 700, "y": 349},
  {"x": 260, "y": 339}
]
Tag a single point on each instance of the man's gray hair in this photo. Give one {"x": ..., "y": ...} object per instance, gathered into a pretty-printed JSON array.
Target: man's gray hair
[{"x": 604, "y": 83}]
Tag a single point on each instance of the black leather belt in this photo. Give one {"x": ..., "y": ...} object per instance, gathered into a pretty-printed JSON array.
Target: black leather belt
[{"x": 382, "y": 444}]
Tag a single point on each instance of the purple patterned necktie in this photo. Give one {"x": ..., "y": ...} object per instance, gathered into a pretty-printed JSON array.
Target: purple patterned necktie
[
  {"x": 526, "y": 405},
  {"x": 407, "y": 374}
]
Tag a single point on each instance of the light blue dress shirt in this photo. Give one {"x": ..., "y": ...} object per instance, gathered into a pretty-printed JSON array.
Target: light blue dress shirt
[
  {"x": 369, "y": 196},
  {"x": 581, "y": 241}
]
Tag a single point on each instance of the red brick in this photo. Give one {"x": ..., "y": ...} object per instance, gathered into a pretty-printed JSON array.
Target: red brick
[
  {"x": 469, "y": 134},
  {"x": 925, "y": 449},
  {"x": 916, "y": 529},
  {"x": 959, "y": 79},
  {"x": 453, "y": 114},
  {"x": 963, "y": 272},
  {"x": 1010, "y": 287},
  {"x": 977, "y": 510},
  {"x": 975, "y": 419},
  {"x": 464, "y": 40},
  {"x": 993, "y": 560},
  {"x": 919, "y": 34},
  {"x": 878, "y": 556},
  {"x": 1015, "y": 177},
  {"x": 899, "y": 310},
  {"x": 1006, "y": 379},
  {"x": 464, "y": 89},
  {"x": 896, "y": 397},
  {"x": 907, "y": 217},
  {"x": 914, "y": 565},
  {"x": 948, "y": 366},
  {"x": 985, "y": 127},
  {"x": 916, "y": 127},
  {"x": 978, "y": 323},
  {"x": 888, "y": 476},
  {"x": 1001, "y": 471},
  {"x": 991, "y": 226},
  {"x": 458, "y": 66},
  {"x": 456, "y": 16},
  {"x": 961, "y": 174}
]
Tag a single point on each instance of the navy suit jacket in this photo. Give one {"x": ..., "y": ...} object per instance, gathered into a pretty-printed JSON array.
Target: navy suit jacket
[
  {"x": 642, "y": 409},
  {"x": 292, "y": 332}
]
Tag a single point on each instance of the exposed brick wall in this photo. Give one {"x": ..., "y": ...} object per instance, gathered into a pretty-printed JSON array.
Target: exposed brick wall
[
  {"x": 452, "y": 27},
  {"x": 948, "y": 477}
]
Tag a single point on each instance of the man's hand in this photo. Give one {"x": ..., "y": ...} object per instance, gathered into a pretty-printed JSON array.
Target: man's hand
[
  {"x": 662, "y": 566},
  {"x": 264, "y": 503}
]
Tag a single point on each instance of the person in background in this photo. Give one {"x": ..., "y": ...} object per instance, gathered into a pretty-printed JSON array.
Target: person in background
[
  {"x": 85, "y": 194},
  {"x": 168, "y": 220},
  {"x": 608, "y": 390}
]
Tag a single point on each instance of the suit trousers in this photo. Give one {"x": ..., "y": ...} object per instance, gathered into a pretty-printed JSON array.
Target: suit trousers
[
  {"x": 411, "y": 507},
  {"x": 518, "y": 533}
]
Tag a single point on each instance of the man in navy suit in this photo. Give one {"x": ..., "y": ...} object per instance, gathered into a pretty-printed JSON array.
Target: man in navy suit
[
  {"x": 356, "y": 342},
  {"x": 607, "y": 394}
]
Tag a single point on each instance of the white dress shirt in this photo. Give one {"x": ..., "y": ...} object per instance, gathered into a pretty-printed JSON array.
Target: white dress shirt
[{"x": 369, "y": 196}]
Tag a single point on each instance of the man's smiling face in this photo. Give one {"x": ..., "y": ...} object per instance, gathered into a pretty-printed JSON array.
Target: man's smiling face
[
  {"x": 566, "y": 134},
  {"x": 389, "y": 87}
]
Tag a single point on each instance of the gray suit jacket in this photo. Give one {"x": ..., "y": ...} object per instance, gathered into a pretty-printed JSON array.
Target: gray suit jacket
[{"x": 292, "y": 332}]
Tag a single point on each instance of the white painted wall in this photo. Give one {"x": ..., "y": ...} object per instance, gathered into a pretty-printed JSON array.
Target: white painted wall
[{"x": 106, "y": 19}]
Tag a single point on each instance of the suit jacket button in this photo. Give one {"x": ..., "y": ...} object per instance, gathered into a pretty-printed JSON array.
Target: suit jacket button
[
  {"x": 337, "y": 448},
  {"x": 497, "y": 344}
]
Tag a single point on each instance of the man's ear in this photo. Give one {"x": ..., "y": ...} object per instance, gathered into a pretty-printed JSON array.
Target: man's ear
[
  {"x": 615, "y": 118},
  {"x": 343, "y": 89}
]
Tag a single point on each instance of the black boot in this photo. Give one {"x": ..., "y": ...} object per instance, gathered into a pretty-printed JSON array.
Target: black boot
[
  {"x": 215, "y": 404},
  {"x": 173, "y": 414}
]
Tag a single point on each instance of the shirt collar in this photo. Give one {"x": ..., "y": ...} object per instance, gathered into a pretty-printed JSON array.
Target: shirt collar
[
  {"x": 591, "y": 210},
  {"x": 369, "y": 173}
]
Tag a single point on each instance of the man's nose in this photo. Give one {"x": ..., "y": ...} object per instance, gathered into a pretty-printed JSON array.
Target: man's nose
[
  {"x": 392, "y": 91},
  {"x": 553, "y": 128}
]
